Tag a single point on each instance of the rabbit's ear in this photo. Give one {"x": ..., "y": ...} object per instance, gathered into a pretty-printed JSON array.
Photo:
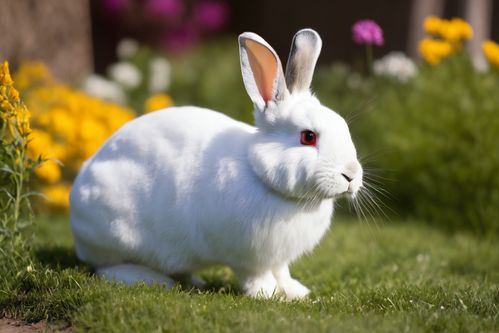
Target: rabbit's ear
[
  {"x": 262, "y": 70},
  {"x": 305, "y": 50}
]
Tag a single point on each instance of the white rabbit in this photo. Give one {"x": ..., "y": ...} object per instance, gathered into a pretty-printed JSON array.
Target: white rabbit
[{"x": 184, "y": 188}]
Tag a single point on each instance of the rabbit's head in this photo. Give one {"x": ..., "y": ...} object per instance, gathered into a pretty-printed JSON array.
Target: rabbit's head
[{"x": 302, "y": 149}]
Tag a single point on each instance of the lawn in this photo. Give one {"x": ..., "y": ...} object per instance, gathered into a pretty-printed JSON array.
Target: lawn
[{"x": 393, "y": 277}]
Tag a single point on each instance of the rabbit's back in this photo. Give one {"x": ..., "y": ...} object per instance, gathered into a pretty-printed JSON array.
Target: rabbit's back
[{"x": 136, "y": 194}]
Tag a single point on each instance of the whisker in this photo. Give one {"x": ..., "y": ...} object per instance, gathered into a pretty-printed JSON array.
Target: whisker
[
  {"x": 378, "y": 190},
  {"x": 366, "y": 202},
  {"x": 374, "y": 177},
  {"x": 372, "y": 156},
  {"x": 377, "y": 206},
  {"x": 365, "y": 218},
  {"x": 363, "y": 107},
  {"x": 383, "y": 192},
  {"x": 360, "y": 206}
]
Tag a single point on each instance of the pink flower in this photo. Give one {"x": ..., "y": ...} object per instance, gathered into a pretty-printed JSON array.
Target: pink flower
[
  {"x": 367, "y": 32},
  {"x": 170, "y": 9},
  {"x": 210, "y": 15},
  {"x": 180, "y": 38}
]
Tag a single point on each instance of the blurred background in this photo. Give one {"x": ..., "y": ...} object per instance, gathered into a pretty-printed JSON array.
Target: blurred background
[{"x": 417, "y": 81}]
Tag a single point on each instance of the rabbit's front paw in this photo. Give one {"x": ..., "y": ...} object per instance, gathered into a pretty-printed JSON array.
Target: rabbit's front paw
[
  {"x": 263, "y": 286},
  {"x": 293, "y": 289},
  {"x": 290, "y": 287}
]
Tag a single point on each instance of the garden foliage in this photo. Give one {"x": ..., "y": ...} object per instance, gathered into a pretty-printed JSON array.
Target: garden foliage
[
  {"x": 428, "y": 129},
  {"x": 433, "y": 139},
  {"x": 139, "y": 79},
  {"x": 68, "y": 127},
  {"x": 15, "y": 164},
  {"x": 211, "y": 77}
]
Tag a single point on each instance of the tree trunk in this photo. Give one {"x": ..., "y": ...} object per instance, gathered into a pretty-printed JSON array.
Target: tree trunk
[
  {"x": 56, "y": 32},
  {"x": 479, "y": 14}
]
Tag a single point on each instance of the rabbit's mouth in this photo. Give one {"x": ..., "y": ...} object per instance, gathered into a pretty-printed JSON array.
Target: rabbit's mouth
[
  {"x": 326, "y": 194},
  {"x": 335, "y": 188},
  {"x": 350, "y": 195},
  {"x": 338, "y": 191}
]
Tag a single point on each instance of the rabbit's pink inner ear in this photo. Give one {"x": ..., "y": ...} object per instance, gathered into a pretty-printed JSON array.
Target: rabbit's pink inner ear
[{"x": 264, "y": 67}]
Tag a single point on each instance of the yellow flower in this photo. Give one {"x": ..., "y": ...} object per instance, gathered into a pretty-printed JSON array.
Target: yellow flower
[
  {"x": 40, "y": 144},
  {"x": 61, "y": 123},
  {"x": 432, "y": 25},
  {"x": 433, "y": 51},
  {"x": 5, "y": 78},
  {"x": 31, "y": 74},
  {"x": 157, "y": 102},
  {"x": 491, "y": 52},
  {"x": 13, "y": 112},
  {"x": 14, "y": 94},
  {"x": 49, "y": 171},
  {"x": 92, "y": 128},
  {"x": 57, "y": 195},
  {"x": 22, "y": 119},
  {"x": 464, "y": 28},
  {"x": 69, "y": 126},
  {"x": 76, "y": 123},
  {"x": 6, "y": 105},
  {"x": 119, "y": 118},
  {"x": 454, "y": 30}
]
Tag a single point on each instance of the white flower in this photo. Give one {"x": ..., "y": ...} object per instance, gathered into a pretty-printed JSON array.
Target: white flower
[
  {"x": 127, "y": 48},
  {"x": 160, "y": 71},
  {"x": 395, "y": 64},
  {"x": 100, "y": 87},
  {"x": 125, "y": 74}
]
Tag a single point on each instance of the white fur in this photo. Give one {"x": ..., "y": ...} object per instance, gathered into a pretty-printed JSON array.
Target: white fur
[{"x": 184, "y": 188}]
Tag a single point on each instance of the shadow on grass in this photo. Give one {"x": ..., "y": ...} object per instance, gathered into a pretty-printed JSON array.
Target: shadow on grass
[
  {"x": 222, "y": 287},
  {"x": 59, "y": 257},
  {"x": 220, "y": 280}
]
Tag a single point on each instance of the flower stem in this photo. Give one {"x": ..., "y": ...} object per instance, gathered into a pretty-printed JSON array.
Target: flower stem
[{"x": 369, "y": 58}]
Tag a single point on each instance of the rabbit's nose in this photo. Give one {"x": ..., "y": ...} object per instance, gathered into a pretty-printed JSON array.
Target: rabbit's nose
[
  {"x": 351, "y": 171},
  {"x": 348, "y": 178}
]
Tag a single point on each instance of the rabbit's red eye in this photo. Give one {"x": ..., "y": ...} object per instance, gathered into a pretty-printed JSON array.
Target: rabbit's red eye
[{"x": 308, "y": 138}]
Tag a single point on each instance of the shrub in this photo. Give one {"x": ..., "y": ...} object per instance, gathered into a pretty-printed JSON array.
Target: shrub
[
  {"x": 438, "y": 136},
  {"x": 211, "y": 77},
  {"x": 68, "y": 127},
  {"x": 139, "y": 80},
  {"x": 15, "y": 165}
]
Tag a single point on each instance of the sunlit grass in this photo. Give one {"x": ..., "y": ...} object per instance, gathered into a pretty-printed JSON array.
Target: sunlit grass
[{"x": 395, "y": 277}]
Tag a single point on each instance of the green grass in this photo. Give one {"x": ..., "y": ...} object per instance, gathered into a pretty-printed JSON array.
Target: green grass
[{"x": 395, "y": 278}]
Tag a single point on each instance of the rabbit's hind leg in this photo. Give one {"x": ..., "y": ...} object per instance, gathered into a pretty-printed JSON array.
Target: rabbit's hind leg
[
  {"x": 130, "y": 274},
  {"x": 189, "y": 281}
]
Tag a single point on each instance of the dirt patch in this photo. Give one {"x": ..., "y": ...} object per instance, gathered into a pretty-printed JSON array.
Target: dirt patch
[{"x": 17, "y": 326}]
